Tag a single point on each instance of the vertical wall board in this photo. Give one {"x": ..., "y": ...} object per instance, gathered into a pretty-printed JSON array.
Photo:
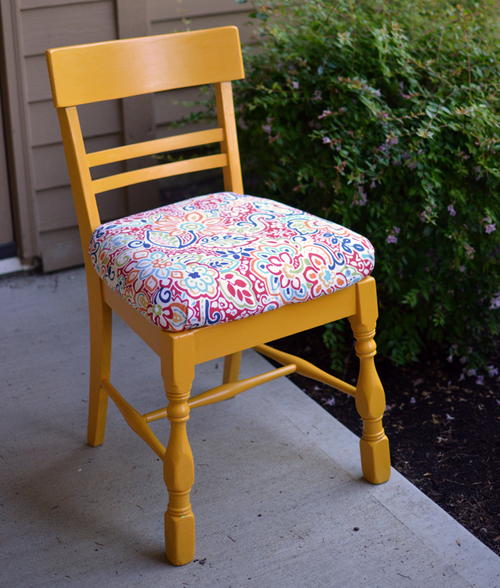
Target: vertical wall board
[
  {"x": 37, "y": 80},
  {"x": 60, "y": 249},
  {"x": 29, "y": 4},
  {"x": 103, "y": 118},
  {"x": 71, "y": 24},
  {"x": 44, "y": 126},
  {"x": 6, "y": 227},
  {"x": 56, "y": 210},
  {"x": 44, "y": 25},
  {"x": 17, "y": 132}
]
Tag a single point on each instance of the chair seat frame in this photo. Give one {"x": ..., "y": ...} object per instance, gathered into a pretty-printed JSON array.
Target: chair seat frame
[{"x": 180, "y": 352}]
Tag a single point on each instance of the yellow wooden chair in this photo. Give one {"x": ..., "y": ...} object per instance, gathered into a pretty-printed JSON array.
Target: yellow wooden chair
[{"x": 210, "y": 276}]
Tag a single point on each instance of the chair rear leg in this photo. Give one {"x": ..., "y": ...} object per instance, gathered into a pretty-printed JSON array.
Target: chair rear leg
[
  {"x": 100, "y": 362},
  {"x": 370, "y": 397},
  {"x": 232, "y": 368},
  {"x": 178, "y": 463}
]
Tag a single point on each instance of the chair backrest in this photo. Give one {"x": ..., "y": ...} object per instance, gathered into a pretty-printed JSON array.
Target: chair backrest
[{"x": 82, "y": 74}]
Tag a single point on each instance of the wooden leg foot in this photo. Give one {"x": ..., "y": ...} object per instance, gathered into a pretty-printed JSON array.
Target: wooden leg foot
[
  {"x": 375, "y": 460},
  {"x": 180, "y": 538}
]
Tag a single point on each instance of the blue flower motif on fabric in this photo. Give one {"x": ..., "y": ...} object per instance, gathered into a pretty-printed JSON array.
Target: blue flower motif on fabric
[
  {"x": 235, "y": 253},
  {"x": 199, "y": 279}
]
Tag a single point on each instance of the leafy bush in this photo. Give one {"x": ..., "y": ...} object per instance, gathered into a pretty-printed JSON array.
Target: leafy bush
[{"x": 380, "y": 115}]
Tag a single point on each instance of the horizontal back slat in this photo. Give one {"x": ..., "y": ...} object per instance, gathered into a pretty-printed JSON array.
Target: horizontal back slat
[
  {"x": 156, "y": 146},
  {"x": 116, "y": 69},
  {"x": 159, "y": 171}
]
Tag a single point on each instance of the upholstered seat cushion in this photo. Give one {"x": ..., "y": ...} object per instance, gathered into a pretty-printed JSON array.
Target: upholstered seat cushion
[{"x": 223, "y": 257}]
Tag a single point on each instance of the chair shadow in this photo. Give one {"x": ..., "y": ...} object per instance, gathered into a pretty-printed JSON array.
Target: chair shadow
[
  {"x": 78, "y": 516},
  {"x": 69, "y": 510}
]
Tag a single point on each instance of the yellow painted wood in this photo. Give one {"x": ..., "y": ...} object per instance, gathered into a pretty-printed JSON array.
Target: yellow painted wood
[
  {"x": 225, "y": 391},
  {"x": 155, "y": 415},
  {"x": 305, "y": 368},
  {"x": 233, "y": 181},
  {"x": 81, "y": 182},
  {"x": 370, "y": 397},
  {"x": 99, "y": 312},
  {"x": 224, "y": 339},
  {"x": 134, "y": 419},
  {"x": 100, "y": 326},
  {"x": 231, "y": 368},
  {"x": 177, "y": 368},
  {"x": 162, "y": 145},
  {"x": 232, "y": 389},
  {"x": 229, "y": 338},
  {"x": 116, "y": 69},
  {"x": 149, "y": 333},
  {"x": 156, "y": 172}
]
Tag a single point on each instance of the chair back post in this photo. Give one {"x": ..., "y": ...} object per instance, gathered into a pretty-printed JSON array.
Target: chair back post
[
  {"x": 233, "y": 182},
  {"x": 84, "y": 199}
]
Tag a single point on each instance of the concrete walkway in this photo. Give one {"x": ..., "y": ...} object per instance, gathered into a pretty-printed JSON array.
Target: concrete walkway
[{"x": 279, "y": 497}]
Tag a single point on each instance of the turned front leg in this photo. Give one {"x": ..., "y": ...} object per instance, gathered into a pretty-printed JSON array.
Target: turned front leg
[
  {"x": 370, "y": 397},
  {"x": 178, "y": 467}
]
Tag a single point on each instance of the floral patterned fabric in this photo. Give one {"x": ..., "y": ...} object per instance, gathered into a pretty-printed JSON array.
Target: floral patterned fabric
[{"x": 225, "y": 256}]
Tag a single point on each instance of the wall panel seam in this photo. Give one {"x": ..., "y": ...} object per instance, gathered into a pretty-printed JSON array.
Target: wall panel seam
[
  {"x": 56, "y": 4},
  {"x": 197, "y": 16}
]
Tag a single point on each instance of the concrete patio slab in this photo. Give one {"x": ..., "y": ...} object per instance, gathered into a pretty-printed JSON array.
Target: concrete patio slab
[{"x": 279, "y": 497}]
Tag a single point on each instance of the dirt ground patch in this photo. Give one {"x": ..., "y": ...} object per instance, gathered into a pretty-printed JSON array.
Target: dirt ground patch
[{"x": 442, "y": 429}]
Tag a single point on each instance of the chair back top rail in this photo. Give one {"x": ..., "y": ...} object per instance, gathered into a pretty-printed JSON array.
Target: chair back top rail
[{"x": 81, "y": 74}]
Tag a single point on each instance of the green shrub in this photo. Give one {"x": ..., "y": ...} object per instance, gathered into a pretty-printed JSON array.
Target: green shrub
[{"x": 380, "y": 115}]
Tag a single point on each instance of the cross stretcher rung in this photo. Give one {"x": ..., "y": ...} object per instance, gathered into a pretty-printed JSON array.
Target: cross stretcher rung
[
  {"x": 233, "y": 388},
  {"x": 305, "y": 368},
  {"x": 224, "y": 391},
  {"x": 134, "y": 419}
]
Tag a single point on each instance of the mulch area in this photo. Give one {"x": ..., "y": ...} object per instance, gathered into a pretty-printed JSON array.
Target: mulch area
[{"x": 442, "y": 429}]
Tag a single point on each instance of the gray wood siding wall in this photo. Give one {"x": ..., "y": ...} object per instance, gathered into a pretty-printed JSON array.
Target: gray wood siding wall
[{"x": 53, "y": 23}]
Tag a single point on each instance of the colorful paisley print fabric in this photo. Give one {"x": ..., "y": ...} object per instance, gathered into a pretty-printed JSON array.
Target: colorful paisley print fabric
[{"x": 225, "y": 256}]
